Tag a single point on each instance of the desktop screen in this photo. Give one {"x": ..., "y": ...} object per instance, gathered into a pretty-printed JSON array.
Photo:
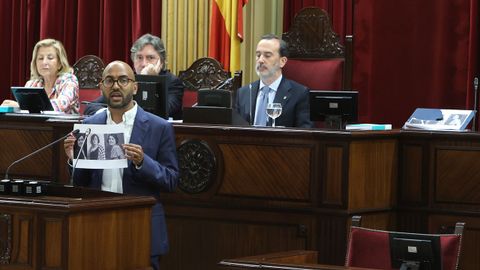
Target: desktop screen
[
  {"x": 336, "y": 108},
  {"x": 152, "y": 94},
  {"x": 416, "y": 251}
]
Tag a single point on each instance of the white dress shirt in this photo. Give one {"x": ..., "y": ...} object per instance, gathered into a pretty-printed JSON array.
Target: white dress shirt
[{"x": 112, "y": 178}]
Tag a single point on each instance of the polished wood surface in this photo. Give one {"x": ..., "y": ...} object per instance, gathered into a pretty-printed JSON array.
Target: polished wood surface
[
  {"x": 295, "y": 259},
  {"x": 250, "y": 191},
  {"x": 75, "y": 228}
]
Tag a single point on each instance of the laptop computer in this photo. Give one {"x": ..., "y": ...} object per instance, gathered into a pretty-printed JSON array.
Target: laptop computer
[{"x": 33, "y": 99}]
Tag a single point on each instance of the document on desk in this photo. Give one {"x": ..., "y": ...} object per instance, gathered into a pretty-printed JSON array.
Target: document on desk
[
  {"x": 439, "y": 119},
  {"x": 99, "y": 147}
]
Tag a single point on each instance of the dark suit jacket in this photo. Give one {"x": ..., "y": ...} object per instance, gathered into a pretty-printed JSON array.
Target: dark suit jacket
[
  {"x": 175, "y": 98},
  {"x": 159, "y": 171},
  {"x": 293, "y": 96}
]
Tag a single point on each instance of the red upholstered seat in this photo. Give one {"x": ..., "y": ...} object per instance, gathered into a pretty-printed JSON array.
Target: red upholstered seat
[
  {"x": 316, "y": 74},
  {"x": 370, "y": 248}
]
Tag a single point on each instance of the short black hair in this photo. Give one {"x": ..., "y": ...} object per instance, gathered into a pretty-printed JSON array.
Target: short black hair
[{"x": 283, "y": 44}]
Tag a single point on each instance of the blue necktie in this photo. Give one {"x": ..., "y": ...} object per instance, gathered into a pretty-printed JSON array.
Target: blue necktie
[{"x": 261, "y": 113}]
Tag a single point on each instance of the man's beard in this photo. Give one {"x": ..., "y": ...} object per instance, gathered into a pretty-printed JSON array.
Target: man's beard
[
  {"x": 125, "y": 102},
  {"x": 269, "y": 73}
]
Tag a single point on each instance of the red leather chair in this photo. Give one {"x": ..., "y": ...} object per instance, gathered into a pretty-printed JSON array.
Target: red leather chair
[
  {"x": 317, "y": 59},
  {"x": 208, "y": 73},
  {"x": 88, "y": 70},
  {"x": 370, "y": 248}
]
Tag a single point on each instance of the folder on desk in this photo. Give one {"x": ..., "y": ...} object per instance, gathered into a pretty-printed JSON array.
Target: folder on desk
[{"x": 439, "y": 119}]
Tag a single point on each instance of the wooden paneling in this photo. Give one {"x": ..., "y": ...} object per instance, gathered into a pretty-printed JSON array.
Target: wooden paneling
[
  {"x": 52, "y": 245},
  {"x": 245, "y": 164},
  {"x": 457, "y": 175},
  {"x": 412, "y": 187},
  {"x": 78, "y": 230},
  {"x": 206, "y": 236},
  {"x": 372, "y": 174},
  {"x": 334, "y": 175}
]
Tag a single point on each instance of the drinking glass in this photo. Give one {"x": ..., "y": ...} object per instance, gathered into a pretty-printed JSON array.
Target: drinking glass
[{"x": 274, "y": 110}]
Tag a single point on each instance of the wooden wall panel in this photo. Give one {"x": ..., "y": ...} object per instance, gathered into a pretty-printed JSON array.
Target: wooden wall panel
[
  {"x": 52, "y": 243},
  {"x": 333, "y": 192},
  {"x": 266, "y": 171},
  {"x": 207, "y": 239},
  {"x": 412, "y": 186},
  {"x": 372, "y": 174},
  {"x": 457, "y": 175}
]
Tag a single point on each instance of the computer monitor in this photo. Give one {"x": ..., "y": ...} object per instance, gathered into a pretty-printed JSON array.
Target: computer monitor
[
  {"x": 415, "y": 251},
  {"x": 335, "y": 108},
  {"x": 152, "y": 94},
  {"x": 33, "y": 99}
]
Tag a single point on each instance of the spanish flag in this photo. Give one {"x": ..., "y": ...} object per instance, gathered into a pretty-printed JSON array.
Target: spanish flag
[{"x": 226, "y": 32}]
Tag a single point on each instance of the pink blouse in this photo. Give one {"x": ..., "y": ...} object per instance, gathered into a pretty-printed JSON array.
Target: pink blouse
[{"x": 64, "y": 96}]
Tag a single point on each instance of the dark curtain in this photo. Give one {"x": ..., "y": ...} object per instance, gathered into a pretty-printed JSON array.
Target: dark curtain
[
  {"x": 106, "y": 28},
  {"x": 408, "y": 54}
]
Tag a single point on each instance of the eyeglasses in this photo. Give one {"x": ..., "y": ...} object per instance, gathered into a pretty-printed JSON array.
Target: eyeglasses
[{"x": 123, "y": 81}]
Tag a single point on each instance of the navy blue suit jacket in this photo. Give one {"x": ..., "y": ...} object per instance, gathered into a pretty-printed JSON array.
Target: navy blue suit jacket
[
  {"x": 293, "y": 96},
  {"x": 159, "y": 171}
]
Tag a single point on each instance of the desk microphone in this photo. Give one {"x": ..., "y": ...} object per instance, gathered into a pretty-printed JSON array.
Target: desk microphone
[
  {"x": 94, "y": 103},
  {"x": 80, "y": 151},
  {"x": 475, "y": 94},
  {"x": 39, "y": 150},
  {"x": 227, "y": 81},
  {"x": 250, "y": 104}
]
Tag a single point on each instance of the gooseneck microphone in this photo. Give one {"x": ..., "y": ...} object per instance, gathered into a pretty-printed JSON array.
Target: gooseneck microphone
[
  {"x": 39, "y": 150},
  {"x": 250, "y": 103},
  {"x": 94, "y": 103},
  {"x": 475, "y": 98},
  {"x": 80, "y": 151},
  {"x": 227, "y": 81}
]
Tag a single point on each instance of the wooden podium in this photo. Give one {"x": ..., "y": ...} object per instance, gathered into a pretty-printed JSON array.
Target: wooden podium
[{"x": 75, "y": 228}]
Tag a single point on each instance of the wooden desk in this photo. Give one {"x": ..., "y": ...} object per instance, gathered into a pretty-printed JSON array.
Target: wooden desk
[
  {"x": 272, "y": 190},
  {"x": 75, "y": 228}
]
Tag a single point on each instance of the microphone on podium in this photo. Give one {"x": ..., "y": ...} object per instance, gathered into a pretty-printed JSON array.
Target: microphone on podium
[
  {"x": 80, "y": 151},
  {"x": 39, "y": 150}
]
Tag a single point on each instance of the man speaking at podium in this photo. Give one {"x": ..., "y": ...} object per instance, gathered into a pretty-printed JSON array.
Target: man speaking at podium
[{"x": 150, "y": 151}]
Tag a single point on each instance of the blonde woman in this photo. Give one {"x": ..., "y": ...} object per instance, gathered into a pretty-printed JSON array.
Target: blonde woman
[{"x": 50, "y": 69}]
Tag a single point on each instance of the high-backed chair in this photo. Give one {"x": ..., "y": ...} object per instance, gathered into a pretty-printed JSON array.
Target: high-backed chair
[
  {"x": 88, "y": 70},
  {"x": 371, "y": 248},
  {"x": 207, "y": 73},
  {"x": 317, "y": 58}
]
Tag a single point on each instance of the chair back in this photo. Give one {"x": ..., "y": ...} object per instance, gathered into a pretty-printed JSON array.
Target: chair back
[
  {"x": 207, "y": 73},
  {"x": 88, "y": 70},
  {"x": 317, "y": 58},
  {"x": 370, "y": 248}
]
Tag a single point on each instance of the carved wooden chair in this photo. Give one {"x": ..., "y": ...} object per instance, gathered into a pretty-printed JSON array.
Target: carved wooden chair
[
  {"x": 207, "y": 73},
  {"x": 370, "y": 248},
  {"x": 317, "y": 59},
  {"x": 88, "y": 70}
]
